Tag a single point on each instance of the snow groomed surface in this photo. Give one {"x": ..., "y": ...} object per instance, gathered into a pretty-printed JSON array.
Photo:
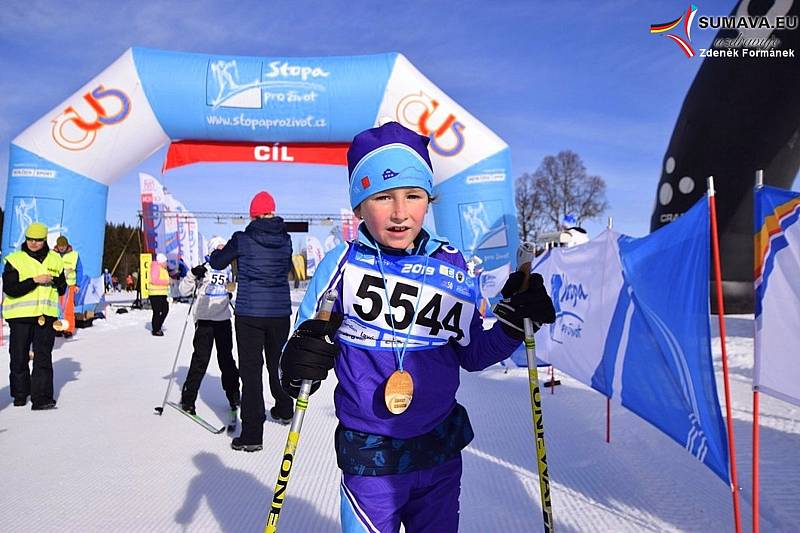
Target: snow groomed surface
[{"x": 103, "y": 461}]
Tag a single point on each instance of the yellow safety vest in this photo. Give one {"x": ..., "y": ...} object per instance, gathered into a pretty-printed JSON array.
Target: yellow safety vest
[
  {"x": 70, "y": 260},
  {"x": 158, "y": 284},
  {"x": 43, "y": 300}
]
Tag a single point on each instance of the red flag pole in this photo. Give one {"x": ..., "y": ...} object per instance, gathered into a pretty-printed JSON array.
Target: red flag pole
[
  {"x": 755, "y": 462},
  {"x": 756, "y": 426},
  {"x": 721, "y": 316}
]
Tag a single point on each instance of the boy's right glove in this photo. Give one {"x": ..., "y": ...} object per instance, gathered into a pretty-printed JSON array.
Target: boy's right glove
[
  {"x": 533, "y": 303},
  {"x": 310, "y": 352}
]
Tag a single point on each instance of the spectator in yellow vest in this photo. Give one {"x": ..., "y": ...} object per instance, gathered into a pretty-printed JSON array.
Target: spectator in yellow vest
[
  {"x": 158, "y": 288},
  {"x": 33, "y": 278},
  {"x": 73, "y": 271}
]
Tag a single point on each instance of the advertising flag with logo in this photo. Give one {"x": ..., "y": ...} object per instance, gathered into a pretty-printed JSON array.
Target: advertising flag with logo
[
  {"x": 632, "y": 322},
  {"x": 152, "y": 195},
  {"x": 168, "y": 227},
  {"x": 183, "y": 241},
  {"x": 314, "y": 254},
  {"x": 777, "y": 288}
]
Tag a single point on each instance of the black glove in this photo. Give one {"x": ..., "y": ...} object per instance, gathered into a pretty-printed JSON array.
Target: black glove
[
  {"x": 199, "y": 271},
  {"x": 533, "y": 303},
  {"x": 292, "y": 386},
  {"x": 310, "y": 351}
]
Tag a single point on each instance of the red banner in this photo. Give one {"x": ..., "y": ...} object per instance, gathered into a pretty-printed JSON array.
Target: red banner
[{"x": 182, "y": 153}]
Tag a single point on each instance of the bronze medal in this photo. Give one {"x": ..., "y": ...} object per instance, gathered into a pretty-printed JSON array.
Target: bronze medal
[
  {"x": 398, "y": 392},
  {"x": 41, "y": 320}
]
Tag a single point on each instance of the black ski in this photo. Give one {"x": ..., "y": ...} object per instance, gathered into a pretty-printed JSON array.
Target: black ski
[
  {"x": 234, "y": 419},
  {"x": 195, "y": 418}
]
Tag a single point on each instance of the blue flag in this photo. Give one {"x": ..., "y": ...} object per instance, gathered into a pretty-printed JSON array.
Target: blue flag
[
  {"x": 632, "y": 321},
  {"x": 668, "y": 374}
]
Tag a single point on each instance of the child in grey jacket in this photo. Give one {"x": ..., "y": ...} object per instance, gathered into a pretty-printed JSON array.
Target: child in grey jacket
[{"x": 212, "y": 325}]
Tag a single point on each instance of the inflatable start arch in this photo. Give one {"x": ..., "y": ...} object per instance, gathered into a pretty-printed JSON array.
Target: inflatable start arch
[{"x": 60, "y": 167}]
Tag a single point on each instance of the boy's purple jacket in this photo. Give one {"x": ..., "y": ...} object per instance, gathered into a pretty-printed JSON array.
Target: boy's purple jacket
[{"x": 362, "y": 370}]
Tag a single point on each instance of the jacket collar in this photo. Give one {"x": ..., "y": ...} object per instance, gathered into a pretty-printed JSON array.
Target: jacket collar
[{"x": 432, "y": 242}]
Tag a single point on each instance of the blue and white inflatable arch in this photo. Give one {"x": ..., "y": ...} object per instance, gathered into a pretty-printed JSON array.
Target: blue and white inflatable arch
[{"x": 60, "y": 167}]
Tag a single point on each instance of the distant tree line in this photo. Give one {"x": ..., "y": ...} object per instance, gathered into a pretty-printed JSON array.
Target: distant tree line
[{"x": 117, "y": 235}]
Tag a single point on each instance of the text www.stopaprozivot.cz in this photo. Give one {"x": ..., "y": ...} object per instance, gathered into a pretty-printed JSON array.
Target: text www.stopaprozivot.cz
[{"x": 242, "y": 120}]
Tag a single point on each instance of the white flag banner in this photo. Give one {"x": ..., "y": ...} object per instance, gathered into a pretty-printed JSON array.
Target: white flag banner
[
  {"x": 314, "y": 254},
  {"x": 584, "y": 283},
  {"x": 172, "y": 238},
  {"x": 170, "y": 228},
  {"x": 777, "y": 284}
]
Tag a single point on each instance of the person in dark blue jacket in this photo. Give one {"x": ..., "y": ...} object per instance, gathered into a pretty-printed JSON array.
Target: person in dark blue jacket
[{"x": 263, "y": 252}]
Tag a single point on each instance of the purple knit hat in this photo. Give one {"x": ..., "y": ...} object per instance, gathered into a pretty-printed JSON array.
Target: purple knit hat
[{"x": 388, "y": 157}]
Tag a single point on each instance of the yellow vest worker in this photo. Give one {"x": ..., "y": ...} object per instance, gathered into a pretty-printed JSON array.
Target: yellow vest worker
[
  {"x": 158, "y": 284},
  {"x": 158, "y": 288},
  {"x": 73, "y": 272},
  {"x": 33, "y": 278}
]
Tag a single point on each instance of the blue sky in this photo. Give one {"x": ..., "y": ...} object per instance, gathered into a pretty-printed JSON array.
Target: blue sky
[{"x": 545, "y": 76}]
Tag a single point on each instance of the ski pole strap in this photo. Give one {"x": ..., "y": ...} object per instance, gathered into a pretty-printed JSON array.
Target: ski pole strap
[{"x": 367, "y": 454}]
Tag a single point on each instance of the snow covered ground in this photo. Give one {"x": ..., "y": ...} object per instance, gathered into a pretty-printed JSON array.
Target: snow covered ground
[{"x": 104, "y": 462}]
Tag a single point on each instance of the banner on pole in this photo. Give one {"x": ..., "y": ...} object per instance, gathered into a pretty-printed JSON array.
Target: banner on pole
[
  {"x": 152, "y": 197},
  {"x": 632, "y": 323},
  {"x": 777, "y": 292},
  {"x": 168, "y": 226}
]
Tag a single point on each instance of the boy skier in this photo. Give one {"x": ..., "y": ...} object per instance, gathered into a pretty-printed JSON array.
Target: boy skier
[{"x": 406, "y": 322}]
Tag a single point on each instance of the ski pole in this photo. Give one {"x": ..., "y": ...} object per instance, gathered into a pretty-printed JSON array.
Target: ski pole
[
  {"x": 160, "y": 410},
  {"x": 538, "y": 426},
  {"x": 271, "y": 526},
  {"x": 524, "y": 258}
]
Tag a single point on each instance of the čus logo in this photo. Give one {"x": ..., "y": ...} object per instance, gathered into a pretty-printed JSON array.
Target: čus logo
[
  {"x": 73, "y": 132},
  {"x": 569, "y": 300},
  {"x": 422, "y": 113}
]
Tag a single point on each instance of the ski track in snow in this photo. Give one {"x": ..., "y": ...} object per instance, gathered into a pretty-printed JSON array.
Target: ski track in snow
[{"x": 104, "y": 462}]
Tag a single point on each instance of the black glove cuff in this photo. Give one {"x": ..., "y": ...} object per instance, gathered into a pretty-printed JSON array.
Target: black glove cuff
[
  {"x": 514, "y": 333},
  {"x": 300, "y": 345},
  {"x": 292, "y": 386}
]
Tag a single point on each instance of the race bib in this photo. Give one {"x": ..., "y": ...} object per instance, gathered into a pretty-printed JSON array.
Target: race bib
[
  {"x": 217, "y": 282},
  {"x": 375, "y": 306}
]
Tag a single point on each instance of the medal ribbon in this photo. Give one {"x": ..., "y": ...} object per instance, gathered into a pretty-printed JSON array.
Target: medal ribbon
[{"x": 399, "y": 357}]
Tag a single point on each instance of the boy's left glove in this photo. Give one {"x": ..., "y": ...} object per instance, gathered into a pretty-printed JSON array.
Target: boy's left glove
[
  {"x": 310, "y": 352},
  {"x": 533, "y": 303},
  {"x": 199, "y": 271}
]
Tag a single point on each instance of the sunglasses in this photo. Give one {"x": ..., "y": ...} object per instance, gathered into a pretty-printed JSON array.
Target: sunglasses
[{"x": 33, "y": 240}]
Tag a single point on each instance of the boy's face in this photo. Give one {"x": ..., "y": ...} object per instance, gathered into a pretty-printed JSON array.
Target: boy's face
[{"x": 394, "y": 217}]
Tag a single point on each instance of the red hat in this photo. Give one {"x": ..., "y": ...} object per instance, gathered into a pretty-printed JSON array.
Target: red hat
[{"x": 261, "y": 204}]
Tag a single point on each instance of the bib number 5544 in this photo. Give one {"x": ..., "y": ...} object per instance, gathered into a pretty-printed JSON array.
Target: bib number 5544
[{"x": 400, "y": 311}]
